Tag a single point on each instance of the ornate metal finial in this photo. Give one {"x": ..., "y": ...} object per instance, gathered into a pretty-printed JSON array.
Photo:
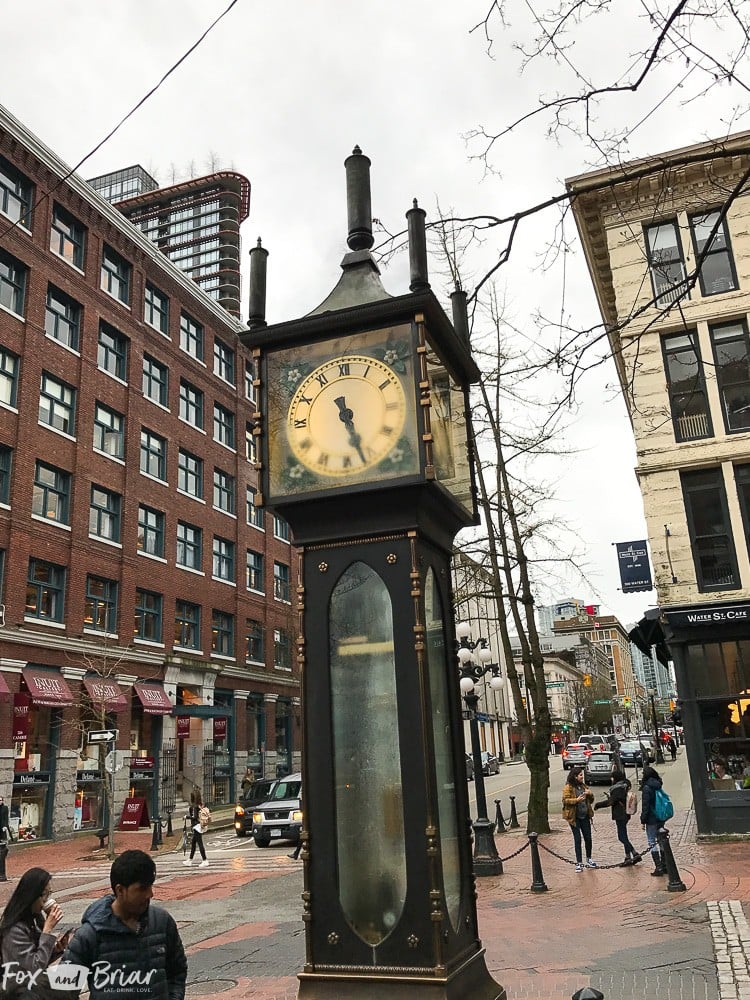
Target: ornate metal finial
[{"x": 358, "y": 202}]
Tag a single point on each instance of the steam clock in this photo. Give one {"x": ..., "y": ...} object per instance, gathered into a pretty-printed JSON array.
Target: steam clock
[{"x": 364, "y": 451}]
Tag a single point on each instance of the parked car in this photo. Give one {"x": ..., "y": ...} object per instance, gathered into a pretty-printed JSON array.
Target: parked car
[
  {"x": 469, "y": 767},
  {"x": 575, "y": 754},
  {"x": 599, "y": 767},
  {"x": 648, "y": 742},
  {"x": 631, "y": 753},
  {"x": 258, "y": 792},
  {"x": 280, "y": 816},
  {"x": 490, "y": 763}
]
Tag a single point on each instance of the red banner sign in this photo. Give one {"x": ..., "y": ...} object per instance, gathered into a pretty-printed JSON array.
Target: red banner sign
[
  {"x": 220, "y": 727},
  {"x": 141, "y": 763},
  {"x": 21, "y": 705},
  {"x": 183, "y": 727},
  {"x": 134, "y": 814}
]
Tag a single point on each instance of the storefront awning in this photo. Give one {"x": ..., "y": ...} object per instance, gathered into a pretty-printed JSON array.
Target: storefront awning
[
  {"x": 648, "y": 633},
  {"x": 154, "y": 698},
  {"x": 47, "y": 687},
  {"x": 4, "y": 691},
  {"x": 106, "y": 693}
]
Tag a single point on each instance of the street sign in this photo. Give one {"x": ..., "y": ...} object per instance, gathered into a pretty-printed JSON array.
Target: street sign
[
  {"x": 103, "y": 735},
  {"x": 602, "y": 701},
  {"x": 114, "y": 760},
  {"x": 555, "y": 684}
]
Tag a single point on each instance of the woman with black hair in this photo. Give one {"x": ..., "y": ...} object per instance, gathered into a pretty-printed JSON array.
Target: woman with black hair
[
  {"x": 27, "y": 941},
  {"x": 578, "y": 811},
  {"x": 651, "y": 782},
  {"x": 617, "y": 799}
]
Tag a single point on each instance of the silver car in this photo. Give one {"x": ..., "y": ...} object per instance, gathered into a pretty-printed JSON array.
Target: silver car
[
  {"x": 575, "y": 754},
  {"x": 599, "y": 768}
]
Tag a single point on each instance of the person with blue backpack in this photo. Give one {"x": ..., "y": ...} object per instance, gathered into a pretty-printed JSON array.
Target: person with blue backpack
[{"x": 656, "y": 809}]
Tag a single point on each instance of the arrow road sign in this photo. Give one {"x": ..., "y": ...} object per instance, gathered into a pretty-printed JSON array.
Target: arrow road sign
[{"x": 103, "y": 735}]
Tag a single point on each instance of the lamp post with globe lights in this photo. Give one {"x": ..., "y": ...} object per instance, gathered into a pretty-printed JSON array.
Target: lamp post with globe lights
[{"x": 474, "y": 659}]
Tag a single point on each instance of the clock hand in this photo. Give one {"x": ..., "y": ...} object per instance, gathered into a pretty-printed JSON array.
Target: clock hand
[{"x": 346, "y": 416}]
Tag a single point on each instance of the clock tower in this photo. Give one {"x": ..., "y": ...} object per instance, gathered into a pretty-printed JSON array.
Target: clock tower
[{"x": 364, "y": 452}]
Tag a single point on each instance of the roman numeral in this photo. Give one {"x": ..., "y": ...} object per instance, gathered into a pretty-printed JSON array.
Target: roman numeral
[
  {"x": 393, "y": 405},
  {"x": 385, "y": 429},
  {"x": 323, "y": 459},
  {"x": 304, "y": 399},
  {"x": 346, "y": 462},
  {"x": 304, "y": 445},
  {"x": 344, "y": 369},
  {"x": 321, "y": 379},
  {"x": 300, "y": 422}
]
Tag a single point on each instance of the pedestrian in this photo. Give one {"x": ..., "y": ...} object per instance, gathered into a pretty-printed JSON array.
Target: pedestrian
[
  {"x": 617, "y": 799},
  {"x": 132, "y": 949},
  {"x": 199, "y": 817},
  {"x": 27, "y": 940},
  {"x": 577, "y": 801},
  {"x": 652, "y": 781},
  {"x": 248, "y": 781},
  {"x": 4, "y": 821},
  {"x": 295, "y": 853},
  {"x": 672, "y": 747}
]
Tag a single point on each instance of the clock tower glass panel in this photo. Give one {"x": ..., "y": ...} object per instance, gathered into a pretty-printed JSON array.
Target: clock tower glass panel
[{"x": 371, "y": 853}]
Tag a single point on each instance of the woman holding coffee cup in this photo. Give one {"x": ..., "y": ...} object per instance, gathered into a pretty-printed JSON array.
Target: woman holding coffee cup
[{"x": 27, "y": 939}]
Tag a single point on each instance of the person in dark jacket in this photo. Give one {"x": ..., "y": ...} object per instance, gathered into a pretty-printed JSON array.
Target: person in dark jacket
[
  {"x": 617, "y": 798},
  {"x": 651, "y": 781},
  {"x": 130, "y": 947}
]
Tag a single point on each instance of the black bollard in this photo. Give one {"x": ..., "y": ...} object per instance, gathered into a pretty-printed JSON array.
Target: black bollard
[
  {"x": 588, "y": 993},
  {"x": 3, "y": 856},
  {"x": 155, "y": 836},
  {"x": 161, "y": 827},
  {"x": 170, "y": 831},
  {"x": 499, "y": 821},
  {"x": 675, "y": 883},
  {"x": 102, "y": 835},
  {"x": 537, "y": 876},
  {"x": 514, "y": 824}
]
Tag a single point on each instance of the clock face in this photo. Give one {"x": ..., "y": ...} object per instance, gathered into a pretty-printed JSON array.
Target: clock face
[
  {"x": 342, "y": 412},
  {"x": 348, "y": 414}
]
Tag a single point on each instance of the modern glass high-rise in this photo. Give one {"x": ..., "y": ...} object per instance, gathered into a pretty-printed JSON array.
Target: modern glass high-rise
[{"x": 196, "y": 223}]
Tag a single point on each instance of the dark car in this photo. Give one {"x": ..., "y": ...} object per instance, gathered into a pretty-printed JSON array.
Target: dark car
[
  {"x": 631, "y": 753},
  {"x": 258, "y": 792},
  {"x": 599, "y": 767},
  {"x": 490, "y": 763},
  {"x": 469, "y": 767},
  {"x": 575, "y": 754},
  {"x": 280, "y": 816}
]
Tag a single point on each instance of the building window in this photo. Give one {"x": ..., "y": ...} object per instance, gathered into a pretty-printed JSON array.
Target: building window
[
  {"x": 222, "y": 633},
  {"x": 742, "y": 478},
  {"x": 732, "y": 359},
  {"x": 224, "y": 491},
  {"x": 191, "y": 404},
  {"x": 12, "y": 283},
  {"x": 151, "y": 531},
  {"x": 223, "y": 425},
  {"x": 115, "y": 275},
  {"x": 251, "y": 450},
  {"x": 282, "y": 649},
  {"x": 255, "y": 571},
  {"x": 710, "y": 530},
  {"x": 156, "y": 309},
  {"x": 16, "y": 194},
  {"x": 112, "y": 355},
  {"x": 6, "y": 461},
  {"x": 57, "y": 404},
  {"x": 148, "y": 610},
  {"x": 189, "y": 546},
  {"x": 223, "y": 361},
  {"x": 280, "y": 528},
  {"x": 187, "y": 625},
  {"x": 109, "y": 431},
  {"x": 155, "y": 381},
  {"x": 45, "y": 590},
  {"x": 153, "y": 455},
  {"x": 281, "y": 582},
  {"x": 62, "y": 320},
  {"x": 717, "y": 272},
  {"x": 100, "y": 610},
  {"x": 104, "y": 514},
  {"x": 8, "y": 377},
  {"x": 250, "y": 381},
  {"x": 190, "y": 474},
  {"x": 51, "y": 494},
  {"x": 254, "y": 514},
  {"x": 254, "y": 639},
  {"x": 686, "y": 387},
  {"x": 67, "y": 237},
  {"x": 223, "y": 558},
  {"x": 665, "y": 262},
  {"x": 191, "y": 337}
]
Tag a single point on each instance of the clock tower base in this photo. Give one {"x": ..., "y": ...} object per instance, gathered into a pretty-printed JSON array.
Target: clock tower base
[{"x": 470, "y": 981}]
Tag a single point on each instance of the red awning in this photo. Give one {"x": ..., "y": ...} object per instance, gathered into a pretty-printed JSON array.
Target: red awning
[
  {"x": 107, "y": 693},
  {"x": 154, "y": 698},
  {"x": 4, "y": 691},
  {"x": 47, "y": 687}
]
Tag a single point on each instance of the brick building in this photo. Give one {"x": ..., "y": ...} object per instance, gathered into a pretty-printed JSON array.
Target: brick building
[{"x": 142, "y": 589}]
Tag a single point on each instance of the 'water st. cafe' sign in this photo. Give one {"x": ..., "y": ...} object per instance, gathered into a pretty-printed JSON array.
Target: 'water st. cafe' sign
[{"x": 635, "y": 571}]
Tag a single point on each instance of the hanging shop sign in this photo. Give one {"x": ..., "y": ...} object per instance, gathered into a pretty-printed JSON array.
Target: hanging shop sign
[
  {"x": 220, "y": 727},
  {"x": 21, "y": 705},
  {"x": 183, "y": 727},
  {"x": 635, "y": 570},
  {"x": 141, "y": 768}
]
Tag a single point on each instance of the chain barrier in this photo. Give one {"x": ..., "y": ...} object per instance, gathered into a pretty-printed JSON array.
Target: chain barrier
[{"x": 515, "y": 854}]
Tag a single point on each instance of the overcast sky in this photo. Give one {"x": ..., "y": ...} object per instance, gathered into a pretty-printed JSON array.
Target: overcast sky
[{"x": 282, "y": 92}]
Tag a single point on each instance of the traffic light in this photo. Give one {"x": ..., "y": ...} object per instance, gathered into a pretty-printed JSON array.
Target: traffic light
[
  {"x": 565, "y": 728},
  {"x": 587, "y": 680}
]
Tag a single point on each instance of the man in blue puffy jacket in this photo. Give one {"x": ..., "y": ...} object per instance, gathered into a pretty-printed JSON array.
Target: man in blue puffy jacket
[
  {"x": 652, "y": 781},
  {"x": 131, "y": 949}
]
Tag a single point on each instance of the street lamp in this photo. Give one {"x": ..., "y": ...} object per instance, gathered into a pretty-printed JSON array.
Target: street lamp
[
  {"x": 474, "y": 662},
  {"x": 654, "y": 723}
]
